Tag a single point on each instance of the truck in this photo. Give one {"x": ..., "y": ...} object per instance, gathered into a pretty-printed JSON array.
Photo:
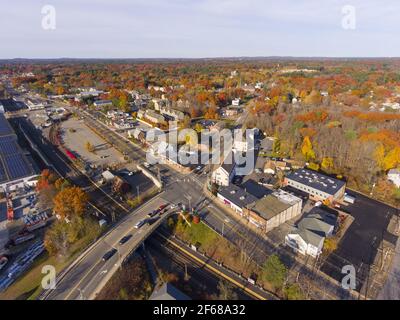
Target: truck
[{"x": 349, "y": 199}]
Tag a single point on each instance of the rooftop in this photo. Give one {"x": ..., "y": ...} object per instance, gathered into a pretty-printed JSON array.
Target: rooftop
[
  {"x": 237, "y": 195},
  {"x": 229, "y": 163},
  {"x": 317, "y": 181},
  {"x": 310, "y": 237},
  {"x": 168, "y": 292},
  {"x": 13, "y": 163},
  {"x": 274, "y": 204}
]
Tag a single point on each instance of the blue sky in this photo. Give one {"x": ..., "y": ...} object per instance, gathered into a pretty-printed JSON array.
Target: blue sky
[{"x": 202, "y": 28}]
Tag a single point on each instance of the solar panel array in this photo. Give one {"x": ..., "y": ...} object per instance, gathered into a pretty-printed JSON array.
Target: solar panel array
[
  {"x": 17, "y": 166},
  {"x": 13, "y": 163},
  {"x": 5, "y": 128}
]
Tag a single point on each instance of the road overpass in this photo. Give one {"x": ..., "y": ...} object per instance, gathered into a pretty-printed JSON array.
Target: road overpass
[{"x": 85, "y": 278}]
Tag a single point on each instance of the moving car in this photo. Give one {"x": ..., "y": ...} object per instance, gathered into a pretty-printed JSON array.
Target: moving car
[
  {"x": 3, "y": 261},
  {"x": 109, "y": 254},
  {"x": 140, "y": 224},
  {"x": 152, "y": 214},
  {"x": 125, "y": 239}
]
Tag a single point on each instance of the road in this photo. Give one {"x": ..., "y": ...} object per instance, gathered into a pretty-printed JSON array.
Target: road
[{"x": 89, "y": 274}]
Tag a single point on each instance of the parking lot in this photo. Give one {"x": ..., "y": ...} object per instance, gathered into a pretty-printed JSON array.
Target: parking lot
[
  {"x": 76, "y": 135},
  {"x": 362, "y": 241}
]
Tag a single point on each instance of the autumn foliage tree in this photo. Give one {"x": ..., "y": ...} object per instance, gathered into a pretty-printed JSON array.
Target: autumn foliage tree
[
  {"x": 70, "y": 202},
  {"x": 307, "y": 149}
]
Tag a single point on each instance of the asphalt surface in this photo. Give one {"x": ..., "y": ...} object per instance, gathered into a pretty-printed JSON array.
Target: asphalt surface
[{"x": 361, "y": 242}]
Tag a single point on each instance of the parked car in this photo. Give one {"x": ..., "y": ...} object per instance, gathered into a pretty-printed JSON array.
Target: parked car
[
  {"x": 125, "y": 239},
  {"x": 109, "y": 254}
]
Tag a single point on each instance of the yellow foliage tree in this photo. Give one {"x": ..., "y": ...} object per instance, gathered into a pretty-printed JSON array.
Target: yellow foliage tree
[
  {"x": 307, "y": 149},
  {"x": 379, "y": 155},
  {"x": 327, "y": 163},
  {"x": 392, "y": 159}
]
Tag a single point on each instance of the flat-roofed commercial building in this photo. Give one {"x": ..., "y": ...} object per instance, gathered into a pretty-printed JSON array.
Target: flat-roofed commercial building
[
  {"x": 15, "y": 169},
  {"x": 317, "y": 185},
  {"x": 273, "y": 210}
]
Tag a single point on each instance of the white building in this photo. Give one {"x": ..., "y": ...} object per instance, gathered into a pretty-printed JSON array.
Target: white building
[
  {"x": 394, "y": 176},
  {"x": 224, "y": 174},
  {"x": 34, "y": 104},
  {"x": 309, "y": 236},
  {"x": 236, "y": 102},
  {"x": 103, "y": 103},
  {"x": 246, "y": 143},
  {"x": 320, "y": 187},
  {"x": 305, "y": 242}
]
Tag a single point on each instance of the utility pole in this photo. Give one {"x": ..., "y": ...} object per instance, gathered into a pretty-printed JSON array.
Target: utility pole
[
  {"x": 137, "y": 189},
  {"x": 186, "y": 273}
]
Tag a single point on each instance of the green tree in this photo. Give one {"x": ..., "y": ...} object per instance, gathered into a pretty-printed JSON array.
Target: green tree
[
  {"x": 293, "y": 292},
  {"x": 274, "y": 272}
]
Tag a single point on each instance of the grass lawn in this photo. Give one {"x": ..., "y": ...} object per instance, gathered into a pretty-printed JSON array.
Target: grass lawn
[
  {"x": 197, "y": 233},
  {"x": 28, "y": 286}
]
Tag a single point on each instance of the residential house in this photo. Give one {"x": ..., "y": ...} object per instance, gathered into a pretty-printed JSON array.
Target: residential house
[
  {"x": 394, "y": 176},
  {"x": 224, "y": 174},
  {"x": 231, "y": 112},
  {"x": 173, "y": 113},
  {"x": 305, "y": 242},
  {"x": 244, "y": 143},
  {"x": 159, "y": 103},
  {"x": 154, "y": 117},
  {"x": 309, "y": 236},
  {"x": 271, "y": 166},
  {"x": 236, "y": 102}
]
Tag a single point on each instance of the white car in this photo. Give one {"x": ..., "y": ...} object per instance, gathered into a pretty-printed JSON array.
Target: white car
[
  {"x": 140, "y": 224},
  {"x": 173, "y": 206}
]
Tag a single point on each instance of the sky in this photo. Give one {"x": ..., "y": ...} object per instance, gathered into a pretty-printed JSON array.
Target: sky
[{"x": 200, "y": 28}]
